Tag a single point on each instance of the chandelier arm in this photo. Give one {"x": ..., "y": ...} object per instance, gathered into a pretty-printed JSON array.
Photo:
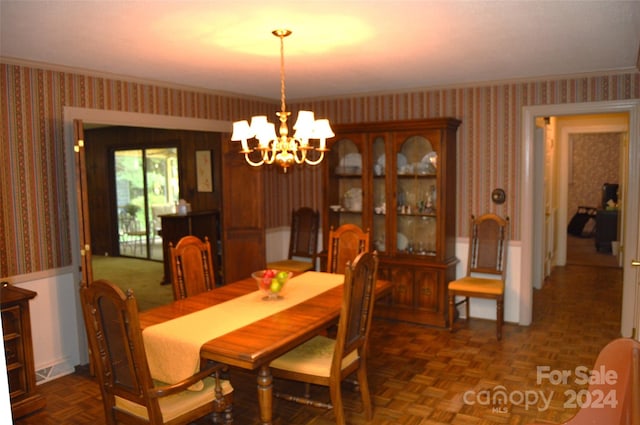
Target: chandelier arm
[
  {"x": 317, "y": 161},
  {"x": 264, "y": 153},
  {"x": 252, "y": 163},
  {"x": 301, "y": 157}
]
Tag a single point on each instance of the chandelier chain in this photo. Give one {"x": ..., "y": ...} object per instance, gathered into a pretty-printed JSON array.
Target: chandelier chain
[{"x": 283, "y": 107}]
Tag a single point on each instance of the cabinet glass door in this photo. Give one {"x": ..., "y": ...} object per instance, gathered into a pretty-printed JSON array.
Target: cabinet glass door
[
  {"x": 416, "y": 197},
  {"x": 346, "y": 201}
]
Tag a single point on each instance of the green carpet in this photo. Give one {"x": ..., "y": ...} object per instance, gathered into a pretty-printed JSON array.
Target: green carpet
[{"x": 143, "y": 276}]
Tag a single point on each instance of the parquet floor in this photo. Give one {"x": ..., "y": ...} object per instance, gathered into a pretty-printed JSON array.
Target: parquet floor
[{"x": 425, "y": 376}]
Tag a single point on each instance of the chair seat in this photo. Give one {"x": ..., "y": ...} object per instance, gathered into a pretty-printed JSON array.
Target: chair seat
[
  {"x": 178, "y": 404},
  {"x": 295, "y": 266},
  {"x": 478, "y": 285},
  {"x": 312, "y": 358}
]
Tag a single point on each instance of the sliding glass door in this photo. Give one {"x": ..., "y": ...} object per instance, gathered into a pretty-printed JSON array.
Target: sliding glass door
[{"x": 147, "y": 186}]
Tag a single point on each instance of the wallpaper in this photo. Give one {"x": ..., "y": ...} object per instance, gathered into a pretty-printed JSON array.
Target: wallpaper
[
  {"x": 34, "y": 219},
  {"x": 594, "y": 161}
]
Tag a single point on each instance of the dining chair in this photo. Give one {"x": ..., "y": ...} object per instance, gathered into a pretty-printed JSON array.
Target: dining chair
[
  {"x": 131, "y": 233},
  {"x": 303, "y": 242},
  {"x": 345, "y": 243},
  {"x": 328, "y": 362},
  {"x": 486, "y": 267},
  {"x": 614, "y": 387},
  {"x": 129, "y": 393},
  {"x": 192, "y": 269}
]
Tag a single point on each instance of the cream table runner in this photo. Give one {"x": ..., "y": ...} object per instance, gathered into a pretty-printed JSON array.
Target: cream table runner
[{"x": 173, "y": 347}]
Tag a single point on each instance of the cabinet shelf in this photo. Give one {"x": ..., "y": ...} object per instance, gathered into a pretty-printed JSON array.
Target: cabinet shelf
[
  {"x": 413, "y": 176},
  {"x": 419, "y": 215},
  {"x": 18, "y": 350},
  {"x": 407, "y": 190}
]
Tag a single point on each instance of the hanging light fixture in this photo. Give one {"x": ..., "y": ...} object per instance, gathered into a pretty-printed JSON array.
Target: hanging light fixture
[{"x": 283, "y": 150}]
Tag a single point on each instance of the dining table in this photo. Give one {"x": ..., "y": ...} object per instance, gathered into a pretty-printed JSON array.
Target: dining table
[{"x": 233, "y": 324}]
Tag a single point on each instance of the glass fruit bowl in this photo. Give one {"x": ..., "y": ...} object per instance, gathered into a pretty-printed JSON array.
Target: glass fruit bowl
[{"x": 271, "y": 282}]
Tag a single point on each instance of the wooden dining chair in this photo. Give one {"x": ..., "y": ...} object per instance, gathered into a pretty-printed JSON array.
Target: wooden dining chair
[
  {"x": 192, "y": 269},
  {"x": 345, "y": 243},
  {"x": 486, "y": 267},
  {"x": 328, "y": 362},
  {"x": 303, "y": 242},
  {"x": 129, "y": 393}
]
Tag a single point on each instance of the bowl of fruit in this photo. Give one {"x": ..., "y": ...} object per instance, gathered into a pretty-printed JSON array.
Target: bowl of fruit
[{"x": 271, "y": 282}]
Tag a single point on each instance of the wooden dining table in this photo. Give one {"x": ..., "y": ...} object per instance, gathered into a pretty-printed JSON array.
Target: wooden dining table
[{"x": 255, "y": 345}]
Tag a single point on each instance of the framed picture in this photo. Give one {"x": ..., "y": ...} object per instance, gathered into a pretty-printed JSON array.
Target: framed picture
[{"x": 204, "y": 173}]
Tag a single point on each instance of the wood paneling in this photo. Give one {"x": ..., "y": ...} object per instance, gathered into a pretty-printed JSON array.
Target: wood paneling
[
  {"x": 100, "y": 144},
  {"x": 243, "y": 212}
]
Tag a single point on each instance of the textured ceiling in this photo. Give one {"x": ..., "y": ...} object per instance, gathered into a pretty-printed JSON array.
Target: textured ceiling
[{"x": 337, "y": 47}]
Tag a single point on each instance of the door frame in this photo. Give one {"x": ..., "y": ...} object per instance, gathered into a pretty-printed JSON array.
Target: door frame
[
  {"x": 130, "y": 119},
  {"x": 532, "y": 184},
  {"x": 105, "y": 117},
  {"x": 563, "y": 179}
]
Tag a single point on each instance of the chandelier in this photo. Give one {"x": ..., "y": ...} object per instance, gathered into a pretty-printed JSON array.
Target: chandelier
[{"x": 283, "y": 149}]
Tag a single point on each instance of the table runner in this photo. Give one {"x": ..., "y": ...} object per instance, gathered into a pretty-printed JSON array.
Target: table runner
[{"x": 173, "y": 347}]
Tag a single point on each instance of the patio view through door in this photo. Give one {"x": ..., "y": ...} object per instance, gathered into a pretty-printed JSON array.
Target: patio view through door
[{"x": 147, "y": 186}]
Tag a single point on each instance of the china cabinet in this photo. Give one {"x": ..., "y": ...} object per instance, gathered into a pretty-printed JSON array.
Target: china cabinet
[{"x": 398, "y": 180}]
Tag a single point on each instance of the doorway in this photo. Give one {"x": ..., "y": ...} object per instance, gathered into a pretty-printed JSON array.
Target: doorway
[
  {"x": 147, "y": 185},
  {"x": 591, "y": 152},
  {"x": 531, "y": 212}
]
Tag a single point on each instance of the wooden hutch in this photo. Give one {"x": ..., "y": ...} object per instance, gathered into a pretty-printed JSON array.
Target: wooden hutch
[{"x": 398, "y": 180}]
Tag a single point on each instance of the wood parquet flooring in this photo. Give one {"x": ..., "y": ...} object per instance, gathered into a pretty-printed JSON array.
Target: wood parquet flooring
[{"x": 420, "y": 375}]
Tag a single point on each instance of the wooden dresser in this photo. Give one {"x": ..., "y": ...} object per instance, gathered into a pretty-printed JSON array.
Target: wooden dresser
[
  {"x": 199, "y": 223},
  {"x": 18, "y": 350}
]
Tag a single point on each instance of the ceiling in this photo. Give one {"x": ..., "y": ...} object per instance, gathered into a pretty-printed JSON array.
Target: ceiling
[{"x": 337, "y": 47}]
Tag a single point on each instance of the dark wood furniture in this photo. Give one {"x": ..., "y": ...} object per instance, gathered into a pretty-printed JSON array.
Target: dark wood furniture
[
  {"x": 398, "y": 179},
  {"x": 333, "y": 359},
  {"x": 606, "y": 229},
  {"x": 18, "y": 350},
  {"x": 200, "y": 224},
  {"x": 486, "y": 267},
  {"x": 128, "y": 392},
  {"x": 192, "y": 269},
  {"x": 345, "y": 243},
  {"x": 250, "y": 347},
  {"x": 243, "y": 221},
  {"x": 303, "y": 242}
]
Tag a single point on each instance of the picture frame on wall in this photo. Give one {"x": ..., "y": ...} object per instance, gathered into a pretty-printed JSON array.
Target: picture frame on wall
[{"x": 204, "y": 172}]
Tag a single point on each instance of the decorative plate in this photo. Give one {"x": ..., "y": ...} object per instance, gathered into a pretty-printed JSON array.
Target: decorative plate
[
  {"x": 351, "y": 160},
  {"x": 431, "y": 158},
  {"x": 403, "y": 242}
]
